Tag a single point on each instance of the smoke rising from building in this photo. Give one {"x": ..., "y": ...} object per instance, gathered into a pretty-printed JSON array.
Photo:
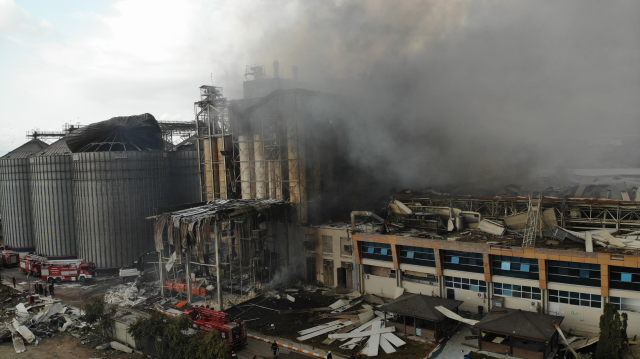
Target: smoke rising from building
[{"x": 459, "y": 92}]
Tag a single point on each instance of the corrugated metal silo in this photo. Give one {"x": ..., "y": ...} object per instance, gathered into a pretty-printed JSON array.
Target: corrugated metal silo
[
  {"x": 114, "y": 192},
  {"x": 52, "y": 201},
  {"x": 15, "y": 202},
  {"x": 185, "y": 181}
]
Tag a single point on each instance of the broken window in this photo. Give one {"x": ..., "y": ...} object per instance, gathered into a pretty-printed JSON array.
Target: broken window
[
  {"x": 419, "y": 277},
  {"x": 346, "y": 249},
  {"x": 327, "y": 244},
  {"x": 515, "y": 267},
  {"x": 310, "y": 242},
  {"x": 574, "y": 273},
  {"x": 626, "y": 304},
  {"x": 417, "y": 255},
  {"x": 575, "y": 298},
  {"x": 380, "y": 271}
]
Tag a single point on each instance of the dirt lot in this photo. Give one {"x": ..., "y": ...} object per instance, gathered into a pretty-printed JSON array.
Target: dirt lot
[
  {"x": 287, "y": 325},
  {"x": 63, "y": 346}
]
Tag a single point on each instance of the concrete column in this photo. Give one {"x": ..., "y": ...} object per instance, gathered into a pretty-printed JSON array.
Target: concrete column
[
  {"x": 262, "y": 183},
  {"x": 222, "y": 165},
  {"x": 245, "y": 167},
  {"x": 297, "y": 166}
]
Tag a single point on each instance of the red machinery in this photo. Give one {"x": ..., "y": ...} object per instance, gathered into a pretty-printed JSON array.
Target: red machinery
[
  {"x": 181, "y": 286},
  {"x": 68, "y": 272},
  {"x": 206, "y": 320},
  {"x": 10, "y": 258}
]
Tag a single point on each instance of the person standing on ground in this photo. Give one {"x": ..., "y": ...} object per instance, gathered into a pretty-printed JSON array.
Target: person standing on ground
[
  {"x": 14, "y": 282},
  {"x": 234, "y": 355},
  {"x": 51, "y": 289},
  {"x": 358, "y": 355},
  {"x": 45, "y": 292},
  {"x": 352, "y": 356},
  {"x": 329, "y": 356},
  {"x": 275, "y": 348}
]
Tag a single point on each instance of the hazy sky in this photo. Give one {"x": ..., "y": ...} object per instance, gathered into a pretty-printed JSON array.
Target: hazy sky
[{"x": 517, "y": 69}]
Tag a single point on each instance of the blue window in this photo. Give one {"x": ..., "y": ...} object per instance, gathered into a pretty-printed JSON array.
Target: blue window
[
  {"x": 516, "y": 267},
  {"x": 574, "y": 298},
  {"x": 463, "y": 261},
  {"x": 573, "y": 273},
  {"x": 417, "y": 255},
  {"x": 625, "y": 277},
  {"x": 466, "y": 284},
  {"x": 378, "y": 251}
]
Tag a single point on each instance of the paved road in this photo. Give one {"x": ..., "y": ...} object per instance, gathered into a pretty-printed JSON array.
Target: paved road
[{"x": 262, "y": 350}]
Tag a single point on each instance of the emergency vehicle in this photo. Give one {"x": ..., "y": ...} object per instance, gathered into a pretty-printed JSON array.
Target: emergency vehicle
[
  {"x": 68, "y": 272},
  {"x": 10, "y": 258},
  {"x": 32, "y": 263},
  {"x": 234, "y": 332}
]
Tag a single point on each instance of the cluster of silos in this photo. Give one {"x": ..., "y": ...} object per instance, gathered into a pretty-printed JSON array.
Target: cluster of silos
[
  {"x": 93, "y": 200},
  {"x": 15, "y": 202}
]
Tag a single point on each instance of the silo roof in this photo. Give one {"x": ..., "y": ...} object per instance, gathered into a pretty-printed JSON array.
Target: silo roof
[
  {"x": 26, "y": 150},
  {"x": 55, "y": 149}
]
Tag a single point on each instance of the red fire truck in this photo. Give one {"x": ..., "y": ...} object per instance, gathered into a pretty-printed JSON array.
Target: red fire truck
[
  {"x": 234, "y": 332},
  {"x": 10, "y": 258},
  {"x": 32, "y": 263},
  {"x": 68, "y": 272}
]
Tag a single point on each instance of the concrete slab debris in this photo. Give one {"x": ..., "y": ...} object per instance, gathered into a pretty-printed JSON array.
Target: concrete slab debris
[
  {"x": 491, "y": 227},
  {"x": 24, "y": 331},
  {"x": 121, "y": 347},
  {"x": 339, "y": 303}
]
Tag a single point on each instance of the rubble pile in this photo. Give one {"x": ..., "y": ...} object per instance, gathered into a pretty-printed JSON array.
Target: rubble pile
[
  {"x": 36, "y": 318},
  {"x": 132, "y": 294}
]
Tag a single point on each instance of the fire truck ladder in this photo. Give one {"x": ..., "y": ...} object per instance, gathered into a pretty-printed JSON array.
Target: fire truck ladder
[{"x": 529, "y": 239}]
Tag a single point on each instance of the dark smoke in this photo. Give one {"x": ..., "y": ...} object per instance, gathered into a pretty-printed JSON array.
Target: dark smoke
[{"x": 459, "y": 92}]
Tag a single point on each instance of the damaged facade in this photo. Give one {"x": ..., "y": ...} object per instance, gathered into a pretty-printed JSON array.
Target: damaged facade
[{"x": 488, "y": 267}]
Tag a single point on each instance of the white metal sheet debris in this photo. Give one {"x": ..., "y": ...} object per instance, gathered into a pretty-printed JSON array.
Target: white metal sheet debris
[
  {"x": 362, "y": 334},
  {"x": 393, "y": 339},
  {"x": 398, "y": 292},
  {"x": 24, "y": 331},
  {"x": 455, "y": 316},
  {"x": 319, "y": 327},
  {"x": 491, "y": 227},
  {"x": 324, "y": 331},
  {"x": 339, "y": 303},
  {"x": 386, "y": 346},
  {"x": 121, "y": 347}
]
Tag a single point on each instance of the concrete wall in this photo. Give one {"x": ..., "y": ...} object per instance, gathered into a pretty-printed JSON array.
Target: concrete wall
[
  {"x": 336, "y": 256},
  {"x": 380, "y": 286}
]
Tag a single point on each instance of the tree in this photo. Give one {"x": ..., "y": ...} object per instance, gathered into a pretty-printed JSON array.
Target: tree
[
  {"x": 94, "y": 312},
  {"x": 625, "y": 338},
  {"x": 610, "y": 341}
]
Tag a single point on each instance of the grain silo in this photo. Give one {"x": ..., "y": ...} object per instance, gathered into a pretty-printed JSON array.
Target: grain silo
[
  {"x": 15, "y": 203},
  {"x": 120, "y": 175},
  {"x": 52, "y": 201},
  {"x": 185, "y": 177}
]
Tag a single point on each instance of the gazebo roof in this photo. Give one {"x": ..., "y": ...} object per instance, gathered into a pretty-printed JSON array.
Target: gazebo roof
[
  {"x": 530, "y": 325},
  {"x": 420, "y": 306}
]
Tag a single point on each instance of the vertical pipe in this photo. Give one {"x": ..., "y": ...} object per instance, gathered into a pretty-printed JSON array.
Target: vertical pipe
[
  {"x": 188, "y": 272},
  {"x": 262, "y": 188},
  {"x": 216, "y": 238}
]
